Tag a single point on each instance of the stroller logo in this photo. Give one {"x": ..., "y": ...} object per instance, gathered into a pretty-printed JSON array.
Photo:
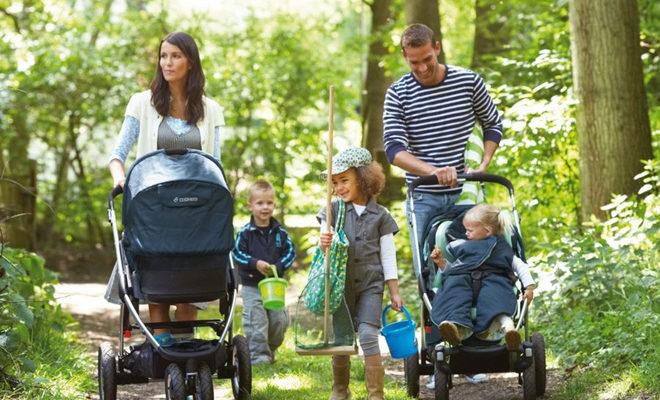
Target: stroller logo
[{"x": 180, "y": 200}]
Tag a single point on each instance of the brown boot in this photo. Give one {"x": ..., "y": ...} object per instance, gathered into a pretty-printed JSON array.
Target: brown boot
[
  {"x": 374, "y": 375},
  {"x": 341, "y": 372}
]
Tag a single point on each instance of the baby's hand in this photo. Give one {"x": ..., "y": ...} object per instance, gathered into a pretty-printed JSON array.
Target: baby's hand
[
  {"x": 326, "y": 240},
  {"x": 438, "y": 258},
  {"x": 264, "y": 268},
  {"x": 528, "y": 294}
]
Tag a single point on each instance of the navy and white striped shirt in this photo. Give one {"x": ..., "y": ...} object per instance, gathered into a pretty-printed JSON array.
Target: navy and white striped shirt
[{"x": 433, "y": 123}]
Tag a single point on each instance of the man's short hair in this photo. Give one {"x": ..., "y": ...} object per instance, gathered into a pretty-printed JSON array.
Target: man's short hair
[
  {"x": 417, "y": 35},
  {"x": 260, "y": 185}
]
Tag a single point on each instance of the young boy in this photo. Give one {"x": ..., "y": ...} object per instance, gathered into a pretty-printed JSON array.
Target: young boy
[{"x": 260, "y": 243}]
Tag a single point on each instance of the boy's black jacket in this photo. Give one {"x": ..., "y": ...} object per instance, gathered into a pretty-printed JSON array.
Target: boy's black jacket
[{"x": 272, "y": 245}]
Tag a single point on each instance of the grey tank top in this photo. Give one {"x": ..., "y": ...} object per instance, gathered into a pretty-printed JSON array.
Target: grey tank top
[{"x": 169, "y": 140}]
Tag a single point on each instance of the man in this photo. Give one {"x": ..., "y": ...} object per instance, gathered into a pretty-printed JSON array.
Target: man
[{"x": 428, "y": 117}]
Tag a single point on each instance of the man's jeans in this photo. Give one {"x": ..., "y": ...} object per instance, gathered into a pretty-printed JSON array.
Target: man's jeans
[{"x": 427, "y": 206}]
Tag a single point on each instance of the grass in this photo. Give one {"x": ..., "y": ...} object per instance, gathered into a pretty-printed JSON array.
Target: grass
[
  {"x": 295, "y": 377},
  {"x": 62, "y": 370}
]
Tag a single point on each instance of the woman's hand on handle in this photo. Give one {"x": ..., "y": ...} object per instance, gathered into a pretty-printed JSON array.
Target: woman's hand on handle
[
  {"x": 528, "y": 294},
  {"x": 117, "y": 171}
]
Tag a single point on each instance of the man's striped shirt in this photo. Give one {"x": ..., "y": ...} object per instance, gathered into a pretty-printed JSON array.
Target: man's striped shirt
[{"x": 433, "y": 123}]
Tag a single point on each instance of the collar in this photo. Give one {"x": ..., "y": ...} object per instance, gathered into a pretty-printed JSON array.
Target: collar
[
  {"x": 274, "y": 224},
  {"x": 371, "y": 206}
]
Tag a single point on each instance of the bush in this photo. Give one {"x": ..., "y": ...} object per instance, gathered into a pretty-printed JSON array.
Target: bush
[
  {"x": 38, "y": 354},
  {"x": 603, "y": 309}
]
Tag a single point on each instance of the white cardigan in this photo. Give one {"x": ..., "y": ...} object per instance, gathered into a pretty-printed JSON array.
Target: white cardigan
[{"x": 140, "y": 108}]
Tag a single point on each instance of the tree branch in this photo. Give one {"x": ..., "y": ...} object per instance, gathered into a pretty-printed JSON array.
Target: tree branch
[{"x": 14, "y": 19}]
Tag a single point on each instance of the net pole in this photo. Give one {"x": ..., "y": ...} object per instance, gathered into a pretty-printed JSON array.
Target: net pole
[{"x": 328, "y": 219}]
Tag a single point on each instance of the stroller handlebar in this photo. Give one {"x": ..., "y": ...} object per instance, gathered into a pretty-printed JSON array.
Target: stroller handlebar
[
  {"x": 116, "y": 191},
  {"x": 476, "y": 177}
]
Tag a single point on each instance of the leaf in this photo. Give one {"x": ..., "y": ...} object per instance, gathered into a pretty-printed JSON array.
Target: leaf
[
  {"x": 27, "y": 365},
  {"x": 22, "y": 312}
]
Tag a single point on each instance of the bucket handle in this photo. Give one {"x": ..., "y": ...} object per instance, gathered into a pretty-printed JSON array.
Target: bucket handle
[
  {"x": 274, "y": 269},
  {"x": 387, "y": 307}
]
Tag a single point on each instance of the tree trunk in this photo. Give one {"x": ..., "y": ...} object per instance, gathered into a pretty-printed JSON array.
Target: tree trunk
[
  {"x": 612, "y": 115},
  {"x": 18, "y": 187},
  {"x": 18, "y": 194},
  {"x": 491, "y": 33},
  {"x": 426, "y": 12},
  {"x": 375, "y": 86}
]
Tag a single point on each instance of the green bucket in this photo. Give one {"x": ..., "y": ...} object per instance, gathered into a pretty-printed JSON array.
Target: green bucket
[{"x": 273, "y": 291}]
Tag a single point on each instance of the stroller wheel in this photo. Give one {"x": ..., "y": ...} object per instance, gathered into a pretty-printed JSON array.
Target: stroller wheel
[
  {"x": 529, "y": 384},
  {"x": 204, "y": 382},
  {"x": 107, "y": 372},
  {"x": 441, "y": 384},
  {"x": 538, "y": 350},
  {"x": 411, "y": 373},
  {"x": 241, "y": 382},
  {"x": 175, "y": 386}
]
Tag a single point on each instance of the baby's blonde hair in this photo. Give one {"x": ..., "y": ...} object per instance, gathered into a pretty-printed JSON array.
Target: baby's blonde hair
[{"x": 498, "y": 222}]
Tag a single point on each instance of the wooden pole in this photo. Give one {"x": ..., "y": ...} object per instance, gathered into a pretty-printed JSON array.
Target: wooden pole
[{"x": 328, "y": 214}]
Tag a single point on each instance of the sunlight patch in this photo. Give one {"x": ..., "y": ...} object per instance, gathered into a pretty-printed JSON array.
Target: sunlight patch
[{"x": 287, "y": 382}]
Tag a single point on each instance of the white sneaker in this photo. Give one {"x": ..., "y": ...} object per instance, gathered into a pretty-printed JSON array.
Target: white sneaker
[
  {"x": 431, "y": 382},
  {"x": 476, "y": 378}
]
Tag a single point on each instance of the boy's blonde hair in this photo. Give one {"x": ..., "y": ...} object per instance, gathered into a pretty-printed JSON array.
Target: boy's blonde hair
[
  {"x": 370, "y": 179},
  {"x": 496, "y": 220},
  {"x": 261, "y": 185}
]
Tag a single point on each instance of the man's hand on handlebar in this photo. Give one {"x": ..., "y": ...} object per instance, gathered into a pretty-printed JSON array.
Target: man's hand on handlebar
[{"x": 447, "y": 176}]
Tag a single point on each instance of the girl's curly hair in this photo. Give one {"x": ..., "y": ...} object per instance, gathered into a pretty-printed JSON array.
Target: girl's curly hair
[{"x": 371, "y": 179}]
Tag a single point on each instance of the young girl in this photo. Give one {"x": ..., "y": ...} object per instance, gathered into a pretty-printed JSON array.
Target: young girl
[
  {"x": 370, "y": 230},
  {"x": 485, "y": 253}
]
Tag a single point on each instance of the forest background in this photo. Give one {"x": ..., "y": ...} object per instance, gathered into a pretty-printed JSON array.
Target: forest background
[{"x": 577, "y": 83}]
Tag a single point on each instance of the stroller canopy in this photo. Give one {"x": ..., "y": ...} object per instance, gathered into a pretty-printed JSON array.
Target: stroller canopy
[{"x": 177, "y": 204}]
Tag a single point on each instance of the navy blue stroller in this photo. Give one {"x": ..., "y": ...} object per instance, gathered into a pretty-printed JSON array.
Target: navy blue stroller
[
  {"x": 473, "y": 356},
  {"x": 177, "y": 216}
]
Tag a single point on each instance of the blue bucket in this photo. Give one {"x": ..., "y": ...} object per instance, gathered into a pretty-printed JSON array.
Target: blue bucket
[{"x": 400, "y": 335}]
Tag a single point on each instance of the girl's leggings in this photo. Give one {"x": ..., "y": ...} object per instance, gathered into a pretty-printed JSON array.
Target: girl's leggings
[{"x": 368, "y": 335}]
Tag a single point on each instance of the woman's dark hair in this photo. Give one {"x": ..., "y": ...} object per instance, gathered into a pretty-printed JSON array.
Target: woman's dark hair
[{"x": 160, "y": 90}]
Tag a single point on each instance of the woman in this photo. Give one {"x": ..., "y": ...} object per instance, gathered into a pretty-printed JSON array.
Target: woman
[{"x": 173, "y": 114}]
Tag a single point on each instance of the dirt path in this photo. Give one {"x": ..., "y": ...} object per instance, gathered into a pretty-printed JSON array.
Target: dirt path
[{"x": 99, "y": 322}]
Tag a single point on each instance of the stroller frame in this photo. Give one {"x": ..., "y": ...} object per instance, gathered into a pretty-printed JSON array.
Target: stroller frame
[
  {"x": 186, "y": 372},
  {"x": 442, "y": 361}
]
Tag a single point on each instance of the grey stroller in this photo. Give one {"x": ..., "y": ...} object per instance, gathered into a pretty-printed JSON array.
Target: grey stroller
[{"x": 177, "y": 215}]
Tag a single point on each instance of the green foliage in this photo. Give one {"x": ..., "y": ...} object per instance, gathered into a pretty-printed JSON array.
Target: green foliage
[
  {"x": 37, "y": 354},
  {"x": 274, "y": 86},
  {"x": 605, "y": 285}
]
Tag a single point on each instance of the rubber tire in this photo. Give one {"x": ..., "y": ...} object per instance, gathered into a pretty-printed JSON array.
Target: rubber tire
[
  {"x": 204, "y": 382},
  {"x": 107, "y": 372},
  {"x": 538, "y": 351},
  {"x": 241, "y": 382},
  {"x": 529, "y": 385},
  {"x": 411, "y": 373},
  {"x": 175, "y": 384},
  {"x": 441, "y": 391}
]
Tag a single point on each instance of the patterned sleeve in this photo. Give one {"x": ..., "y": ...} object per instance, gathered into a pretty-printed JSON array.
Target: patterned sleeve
[
  {"x": 217, "y": 147},
  {"x": 130, "y": 131},
  {"x": 487, "y": 114},
  {"x": 395, "y": 135}
]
